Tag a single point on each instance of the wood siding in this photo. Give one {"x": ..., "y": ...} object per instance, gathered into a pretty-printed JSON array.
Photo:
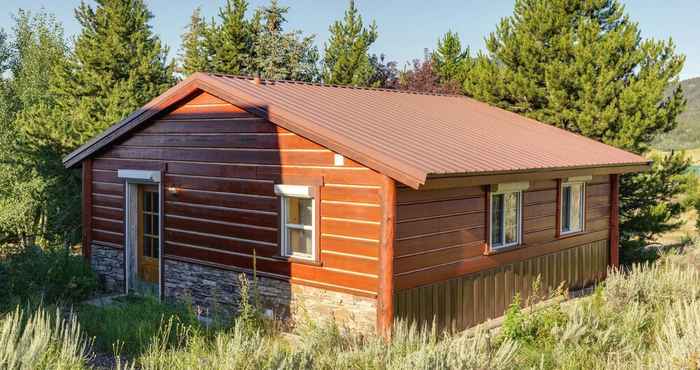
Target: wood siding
[
  {"x": 441, "y": 233},
  {"x": 224, "y": 163},
  {"x": 463, "y": 302}
]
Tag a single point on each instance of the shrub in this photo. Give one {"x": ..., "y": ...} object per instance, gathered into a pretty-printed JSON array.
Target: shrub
[
  {"x": 41, "y": 341},
  {"x": 130, "y": 324},
  {"x": 50, "y": 276}
]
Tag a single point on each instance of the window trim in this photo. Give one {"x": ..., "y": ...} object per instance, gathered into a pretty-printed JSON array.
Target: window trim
[
  {"x": 284, "y": 191},
  {"x": 519, "y": 241},
  {"x": 560, "y": 209}
]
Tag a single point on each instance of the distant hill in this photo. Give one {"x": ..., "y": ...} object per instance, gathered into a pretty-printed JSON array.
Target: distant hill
[{"x": 687, "y": 134}]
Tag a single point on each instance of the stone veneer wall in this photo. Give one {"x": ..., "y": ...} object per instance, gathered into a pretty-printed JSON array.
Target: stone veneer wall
[
  {"x": 108, "y": 263},
  {"x": 213, "y": 289}
]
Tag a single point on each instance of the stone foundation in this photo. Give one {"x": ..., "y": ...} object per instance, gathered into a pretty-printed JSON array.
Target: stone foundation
[
  {"x": 108, "y": 263},
  {"x": 213, "y": 289}
]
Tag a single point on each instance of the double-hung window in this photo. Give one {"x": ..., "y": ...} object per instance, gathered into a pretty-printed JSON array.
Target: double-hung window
[
  {"x": 298, "y": 221},
  {"x": 573, "y": 195},
  {"x": 506, "y": 216}
]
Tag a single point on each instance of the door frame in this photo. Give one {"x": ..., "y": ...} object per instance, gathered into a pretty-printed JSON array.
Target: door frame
[{"x": 134, "y": 178}]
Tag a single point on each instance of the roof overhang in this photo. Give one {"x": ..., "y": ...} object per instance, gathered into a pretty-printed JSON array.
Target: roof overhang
[
  {"x": 442, "y": 181},
  {"x": 197, "y": 82},
  {"x": 408, "y": 174}
]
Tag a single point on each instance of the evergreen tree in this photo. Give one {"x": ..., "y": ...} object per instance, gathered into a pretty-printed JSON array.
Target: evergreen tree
[
  {"x": 281, "y": 55},
  {"x": 195, "y": 55},
  {"x": 117, "y": 66},
  {"x": 231, "y": 42},
  {"x": 346, "y": 60},
  {"x": 450, "y": 62},
  {"x": 583, "y": 66}
]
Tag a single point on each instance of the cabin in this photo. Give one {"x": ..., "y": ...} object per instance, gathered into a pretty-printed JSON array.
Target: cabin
[{"x": 363, "y": 205}]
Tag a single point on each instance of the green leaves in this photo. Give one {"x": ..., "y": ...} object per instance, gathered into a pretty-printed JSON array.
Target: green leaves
[
  {"x": 118, "y": 65},
  {"x": 583, "y": 66},
  {"x": 241, "y": 46},
  {"x": 346, "y": 60}
]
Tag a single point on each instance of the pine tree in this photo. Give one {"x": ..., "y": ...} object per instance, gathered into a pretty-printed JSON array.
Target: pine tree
[
  {"x": 195, "y": 55},
  {"x": 117, "y": 66},
  {"x": 278, "y": 54},
  {"x": 450, "y": 62},
  {"x": 231, "y": 41},
  {"x": 583, "y": 66},
  {"x": 346, "y": 60}
]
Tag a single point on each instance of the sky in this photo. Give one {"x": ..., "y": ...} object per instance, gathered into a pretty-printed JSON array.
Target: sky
[{"x": 406, "y": 27}]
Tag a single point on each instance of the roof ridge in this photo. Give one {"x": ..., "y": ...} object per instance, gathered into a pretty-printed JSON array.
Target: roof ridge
[{"x": 319, "y": 84}]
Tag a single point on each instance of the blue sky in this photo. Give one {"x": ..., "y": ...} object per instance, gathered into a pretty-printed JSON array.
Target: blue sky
[{"x": 405, "y": 27}]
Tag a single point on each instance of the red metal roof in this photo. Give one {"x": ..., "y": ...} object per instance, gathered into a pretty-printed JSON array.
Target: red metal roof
[{"x": 406, "y": 135}]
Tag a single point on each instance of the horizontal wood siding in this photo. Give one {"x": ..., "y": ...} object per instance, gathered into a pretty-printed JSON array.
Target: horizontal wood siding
[
  {"x": 462, "y": 302},
  {"x": 441, "y": 233},
  {"x": 224, "y": 163}
]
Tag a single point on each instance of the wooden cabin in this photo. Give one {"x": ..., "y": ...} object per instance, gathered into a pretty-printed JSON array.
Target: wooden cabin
[{"x": 365, "y": 205}]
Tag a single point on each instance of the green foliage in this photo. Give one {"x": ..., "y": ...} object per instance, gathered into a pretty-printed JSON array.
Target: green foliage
[
  {"x": 232, "y": 40},
  {"x": 282, "y": 55},
  {"x": 254, "y": 46},
  {"x": 451, "y": 63},
  {"x": 131, "y": 324},
  {"x": 582, "y": 66},
  {"x": 40, "y": 341},
  {"x": 37, "y": 195},
  {"x": 50, "y": 276},
  {"x": 195, "y": 54},
  {"x": 250, "y": 317},
  {"x": 650, "y": 204},
  {"x": 534, "y": 328},
  {"x": 117, "y": 65},
  {"x": 346, "y": 60}
]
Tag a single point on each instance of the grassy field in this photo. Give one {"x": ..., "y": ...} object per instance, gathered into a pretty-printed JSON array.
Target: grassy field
[{"x": 648, "y": 317}]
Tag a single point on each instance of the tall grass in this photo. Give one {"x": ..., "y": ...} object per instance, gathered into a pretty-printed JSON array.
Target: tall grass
[
  {"x": 41, "y": 341},
  {"x": 324, "y": 347}
]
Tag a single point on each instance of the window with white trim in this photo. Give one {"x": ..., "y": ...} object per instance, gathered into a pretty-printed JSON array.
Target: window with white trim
[
  {"x": 298, "y": 221},
  {"x": 573, "y": 195},
  {"x": 506, "y": 215}
]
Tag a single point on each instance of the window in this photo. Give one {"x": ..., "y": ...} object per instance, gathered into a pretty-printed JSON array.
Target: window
[
  {"x": 298, "y": 209},
  {"x": 506, "y": 211},
  {"x": 572, "y": 207}
]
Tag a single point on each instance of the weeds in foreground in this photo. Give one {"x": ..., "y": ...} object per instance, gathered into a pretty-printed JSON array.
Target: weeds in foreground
[
  {"x": 41, "y": 341},
  {"x": 132, "y": 323},
  {"x": 647, "y": 317}
]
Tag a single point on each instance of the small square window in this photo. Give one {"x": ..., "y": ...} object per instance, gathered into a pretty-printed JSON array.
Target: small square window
[
  {"x": 506, "y": 211},
  {"x": 573, "y": 197},
  {"x": 298, "y": 222}
]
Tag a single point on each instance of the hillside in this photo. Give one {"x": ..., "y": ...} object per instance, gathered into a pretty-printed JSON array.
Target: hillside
[{"x": 687, "y": 134}]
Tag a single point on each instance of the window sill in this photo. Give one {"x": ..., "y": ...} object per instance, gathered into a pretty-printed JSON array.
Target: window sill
[
  {"x": 298, "y": 260},
  {"x": 570, "y": 234},
  {"x": 490, "y": 252}
]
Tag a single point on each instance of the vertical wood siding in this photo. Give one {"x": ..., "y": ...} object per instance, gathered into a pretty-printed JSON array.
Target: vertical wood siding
[
  {"x": 440, "y": 234},
  {"x": 462, "y": 302},
  {"x": 225, "y": 162}
]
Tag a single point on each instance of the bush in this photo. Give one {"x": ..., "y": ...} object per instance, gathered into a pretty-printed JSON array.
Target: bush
[
  {"x": 131, "y": 323},
  {"x": 41, "y": 341},
  {"x": 50, "y": 276}
]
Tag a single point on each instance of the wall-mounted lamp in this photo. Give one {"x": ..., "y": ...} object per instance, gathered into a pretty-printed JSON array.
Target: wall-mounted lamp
[{"x": 172, "y": 190}]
